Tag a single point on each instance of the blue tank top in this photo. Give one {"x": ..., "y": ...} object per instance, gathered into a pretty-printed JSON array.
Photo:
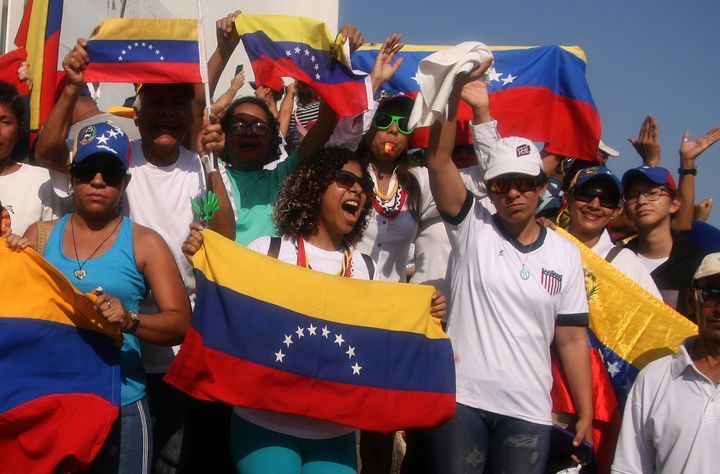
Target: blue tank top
[{"x": 116, "y": 272}]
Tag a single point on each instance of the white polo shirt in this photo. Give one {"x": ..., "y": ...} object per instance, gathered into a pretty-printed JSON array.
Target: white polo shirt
[
  {"x": 501, "y": 325},
  {"x": 671, "y": 422}
]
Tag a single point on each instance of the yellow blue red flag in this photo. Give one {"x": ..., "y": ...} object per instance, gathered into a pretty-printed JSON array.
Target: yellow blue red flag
[
  {"x": 270, "y": 335},
  {"x": 301, "y": 48},
  {"x": 60, "y": 364},
  {"x": 148, "y": 50}
]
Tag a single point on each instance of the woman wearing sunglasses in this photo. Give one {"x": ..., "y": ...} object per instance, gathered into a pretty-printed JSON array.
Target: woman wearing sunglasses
[
  {"x": 99, "y": 250},
  {"x": 516, "y": 288},
  {"x": 321, "y": 212},
  {"x": 594, "y": 199}
]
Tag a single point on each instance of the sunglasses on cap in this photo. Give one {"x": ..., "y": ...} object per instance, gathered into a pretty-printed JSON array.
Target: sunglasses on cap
[
  {"x": 709, "y": 296},
  {"x": 112, "y": 174},
  {"x": 607, "y": 200},
  {"x": 347, "y": 180},
  {"x": 383, "y": 121},
  {"x": 256, "y": 128},
  {"x": 502, "y": 185}
]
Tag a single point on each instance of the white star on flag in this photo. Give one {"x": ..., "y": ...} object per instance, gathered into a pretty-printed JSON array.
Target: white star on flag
[
  {"x": 416, "y": 78},
  {"x": 120, "y": 58},
  {"x": 102, "y": 140},
  {"x": 144, "y": 44},
  {"x": 279, "y": 356},
  {"x": 307, "y": 52},
  {"x": 613, "y": 369},
  {"x": 311, "y": 330},
  {"x": 157, "y": 51},
  {"x": 113, "y": 133},
  {"x": 325, "y": 332},
  {"x": 297, "y": 50},
  {"x": 123, "y": 52},
  {"x": 317, "y": 76},
  {"x": 339, "y": 340},
  {"x": 288, "y": 53},
  {"x": 288, "y": 340},
  {"x": 129, "y": 46},
  {"x": 136, "y": 43},
  {"x": 350, "y": 352},
  {"x": 162, "y": 58},
  {"x": 300, "y": 332},
  {"x": 356, "y": 369},
  {"x": 312, "y": 58},
  {"x": 509, "y": 79},
  {"x": 493, "y": 75},
  {"x": 317, "y": 66},
  {"x": 150, "y": 47}
]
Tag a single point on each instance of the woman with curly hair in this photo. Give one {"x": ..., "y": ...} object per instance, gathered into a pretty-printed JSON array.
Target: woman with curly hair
[{"x": 321, "y": 212}]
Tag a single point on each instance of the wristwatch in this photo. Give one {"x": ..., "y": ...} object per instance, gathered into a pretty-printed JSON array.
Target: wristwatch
[
  {"x": 685, "y": 171},
  {"x": 134, "y": 322}
]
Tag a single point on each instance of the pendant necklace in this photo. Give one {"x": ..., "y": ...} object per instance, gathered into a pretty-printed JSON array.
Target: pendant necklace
[
  {"x": 81, "y": 273},
  {"x": 524, "y": 272}
]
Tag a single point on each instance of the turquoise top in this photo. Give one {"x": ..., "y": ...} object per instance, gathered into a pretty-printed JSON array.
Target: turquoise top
[
  {"x": 116, "y": 272},
  {"x": 254, "y": 194}
]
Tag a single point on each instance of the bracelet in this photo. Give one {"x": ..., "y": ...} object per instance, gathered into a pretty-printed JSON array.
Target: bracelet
[
  {"x": 134, "y": 322},
  {"x": 686, "y": 171}
]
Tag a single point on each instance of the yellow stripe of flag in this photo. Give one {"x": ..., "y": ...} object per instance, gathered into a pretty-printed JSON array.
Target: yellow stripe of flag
[
  {"x": 284, "y": 28},
  {"x": 147, "y": 29}
]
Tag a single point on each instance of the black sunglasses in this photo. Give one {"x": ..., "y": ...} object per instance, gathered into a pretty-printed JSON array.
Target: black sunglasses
[
  {"x": 112, "y": 175},
  {"x": 607, "y": 201},
  {"x": 347, "y": 180},
  {"x": 523, "y": 185},
  {"x": 383, "y": 121},
  {"x": 256, "y": 128}
]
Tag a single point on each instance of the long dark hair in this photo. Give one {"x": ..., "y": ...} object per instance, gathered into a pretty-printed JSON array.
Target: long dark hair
[{"x": 297, "y": 210}]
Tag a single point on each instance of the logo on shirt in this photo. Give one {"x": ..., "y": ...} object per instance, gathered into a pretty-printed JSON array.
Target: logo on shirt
[
  {"x": 552, "y": 281},
  {"x": 522, "y": 150}
]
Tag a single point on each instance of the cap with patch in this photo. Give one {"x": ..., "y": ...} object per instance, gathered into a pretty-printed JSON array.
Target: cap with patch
[
  {"x": 656, "y": 174},
  {"x": 514, "y": 155},
  {"x": 593, "y": 173},
  {"x": 709, "y": 266},
  {"x": 102, "y": 139},
  {"x": 400, "y": 102}
]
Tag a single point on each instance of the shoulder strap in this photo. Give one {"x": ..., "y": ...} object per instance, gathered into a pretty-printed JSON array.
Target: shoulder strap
[
  {"x": 274, "y": 249},
  {"x": 41, "y": 237},
  {"x": 613, "y": 253},
  {"x": 369, "y": 264}
]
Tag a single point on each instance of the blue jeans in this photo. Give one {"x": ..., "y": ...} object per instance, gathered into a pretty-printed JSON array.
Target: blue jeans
[
  {"x": 476, "y": 441},
  {"x": 128, "y": 447}
]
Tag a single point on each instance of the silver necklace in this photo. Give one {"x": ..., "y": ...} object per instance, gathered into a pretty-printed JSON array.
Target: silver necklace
[{"x": 80, "y": 272}]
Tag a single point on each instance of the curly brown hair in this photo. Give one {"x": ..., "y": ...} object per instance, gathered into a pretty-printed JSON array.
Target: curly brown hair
[{"x": 297, "y": 210}]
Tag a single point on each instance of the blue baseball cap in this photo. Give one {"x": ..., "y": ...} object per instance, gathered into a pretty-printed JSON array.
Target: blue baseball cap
[
  {"x": 586, "y": 175},
  {"x": 655, "y": 174},
  {"x": 102, "y": 139}
]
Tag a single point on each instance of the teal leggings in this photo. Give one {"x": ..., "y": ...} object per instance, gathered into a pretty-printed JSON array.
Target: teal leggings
[{"x": 256, "y": 450}]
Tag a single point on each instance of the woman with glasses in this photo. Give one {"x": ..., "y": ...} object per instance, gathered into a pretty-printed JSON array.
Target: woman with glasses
[
  {"x": 321, "y": 212},
  {"x": 516, "y": 288},
  {"x": 592, "y": 201},
  {"x": 99, "y": 250},
  {"x": 651, "y": 198}
]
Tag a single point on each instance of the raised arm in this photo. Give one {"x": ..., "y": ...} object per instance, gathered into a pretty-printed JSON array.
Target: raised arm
[
  {"x": 227, "y": 41},
  {"x": 446, "y": 185},
  {"x": 51, "y": 149},
  {"x": 219, "y": 107},
  {"x": 647, "y": 144},
  {"x": 286, "y": 108}
]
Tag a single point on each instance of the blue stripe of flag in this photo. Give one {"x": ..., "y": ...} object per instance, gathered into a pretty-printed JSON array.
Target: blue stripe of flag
[
  {"x": 626, "y": 373},
  {"x": 54, "y": 18},
  {"x": 140, "y": 51},
  {"x": 255, "y": 331}
]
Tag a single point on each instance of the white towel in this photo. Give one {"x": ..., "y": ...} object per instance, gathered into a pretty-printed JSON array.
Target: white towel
[{"x": 436, "y": 74}]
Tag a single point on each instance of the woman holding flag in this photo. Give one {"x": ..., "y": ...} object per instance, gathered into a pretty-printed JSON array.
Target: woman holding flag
[{"x": 321, "y": 213}]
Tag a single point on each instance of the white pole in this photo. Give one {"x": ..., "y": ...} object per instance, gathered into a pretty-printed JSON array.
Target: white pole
[{"x": 209, "y": 161}]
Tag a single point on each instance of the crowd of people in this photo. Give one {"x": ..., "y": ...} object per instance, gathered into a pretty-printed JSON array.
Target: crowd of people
[{"x": 345, "y": 196}]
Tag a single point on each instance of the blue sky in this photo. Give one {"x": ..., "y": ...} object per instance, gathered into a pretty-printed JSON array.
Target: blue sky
[{"x": 644, "y": 56}]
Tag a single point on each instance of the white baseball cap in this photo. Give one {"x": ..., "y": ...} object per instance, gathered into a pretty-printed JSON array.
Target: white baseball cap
[
  {"x": 709, "y": 266},
  {"x": 514, "y": 155}
]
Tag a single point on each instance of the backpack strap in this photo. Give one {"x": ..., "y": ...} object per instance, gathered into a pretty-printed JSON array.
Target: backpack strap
[
  {"x": 41, "y": 237},
  {"x": 613, "y": 253},
  {"x": 274, "y": 249},
  {"x": 369, "y": 264}
]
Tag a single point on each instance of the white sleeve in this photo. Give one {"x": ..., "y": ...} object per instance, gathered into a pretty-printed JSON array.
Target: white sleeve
[
  {"x": 574, "y": 297},
  {"x": 485, "y": 136},
  {"x": 634, "y": 452},
  {"x": 260, "y": 245}
]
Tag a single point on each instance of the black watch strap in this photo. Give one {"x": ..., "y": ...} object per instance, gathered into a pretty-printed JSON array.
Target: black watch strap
[{"x": 685, "y": 171}]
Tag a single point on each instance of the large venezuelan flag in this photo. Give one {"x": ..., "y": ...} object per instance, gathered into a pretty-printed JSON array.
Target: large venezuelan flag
[
  {"x": 39, "y": 34},
  {"x": 150, "y": 50},
  {"x": 629, "y": 328},
  {"x": 60, "y": 367},
  {"x": 274, "y": 336},
  {"x": 301, "y": 48},
  {"x": 536, "y": 92}
]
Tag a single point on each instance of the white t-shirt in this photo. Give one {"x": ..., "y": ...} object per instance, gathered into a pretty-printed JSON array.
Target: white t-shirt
[
  {"x": 671, "y": 422},
  {"x": 651, "y": 263},
  {"x": 627, "y": 262},
  {"x": 29, "y": 196},
  {"x": 327, "y": 262},
  {"x": 158, "y": 197},
  {"x": 501, "y": 325}
]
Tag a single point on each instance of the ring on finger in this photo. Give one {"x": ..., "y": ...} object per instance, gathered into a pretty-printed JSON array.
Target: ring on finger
[{"x": 108, "y": 303}]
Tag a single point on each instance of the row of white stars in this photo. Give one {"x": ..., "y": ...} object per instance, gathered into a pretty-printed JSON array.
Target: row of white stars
[
  {"x": 493, "y": 75},
  {"x": 140, "y": 45},
  {"x": 102, "y": 140},
  {"x": 297, "y": 50},
  {"x": 312, "y": 331}
]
